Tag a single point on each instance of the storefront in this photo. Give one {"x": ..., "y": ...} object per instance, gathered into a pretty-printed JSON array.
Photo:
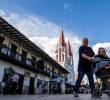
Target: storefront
[
  {"x": 26, "y": 78},
  {"x": 63, "y": 85},
  {"x": 57, "y": 85},
  {"x": 42, "y": 84},
  {"x": 26, "y": 85}
]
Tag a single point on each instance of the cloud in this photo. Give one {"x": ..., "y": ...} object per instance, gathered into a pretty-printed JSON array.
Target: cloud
[
  {"x": 32, "y": 25},
  {"x": 49, "y": 45},
  {"x": 42, "y": 32},
  {"x": 105, "y": 45},
  {"x": 45, "y": 33},
  {"x": 66, "y": 6}
]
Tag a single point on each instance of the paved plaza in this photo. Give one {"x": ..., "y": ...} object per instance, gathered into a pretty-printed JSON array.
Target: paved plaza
[{"x": 52, "y": 97}]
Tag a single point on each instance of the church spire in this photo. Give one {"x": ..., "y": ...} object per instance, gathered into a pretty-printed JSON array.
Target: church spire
[
  {"x": 62, "y": 39},
  {"x": 69, "y": 51}
]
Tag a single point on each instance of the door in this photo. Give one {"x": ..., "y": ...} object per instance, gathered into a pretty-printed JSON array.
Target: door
[
  {"x": 26, "y": 85},
  {"x": 45, "y": 87},
  {"x": 39, "y": 86},
  {"x": 24, "y": 55},
  {"x": 31, "y": 86},
  {"x": 13, "y": 50},
  {"x": 33, "y": 61},
  {"x": 20, "y": 84}
]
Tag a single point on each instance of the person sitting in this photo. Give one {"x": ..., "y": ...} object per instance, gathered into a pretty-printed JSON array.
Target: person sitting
[
  {"x": 101, "y": 54},
  {"x": 102, "y": 62},
  {"x": 102, "y": 67}
]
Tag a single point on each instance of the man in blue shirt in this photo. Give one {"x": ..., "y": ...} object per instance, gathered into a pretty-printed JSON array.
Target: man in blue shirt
[{"x": 84, "y": 66}]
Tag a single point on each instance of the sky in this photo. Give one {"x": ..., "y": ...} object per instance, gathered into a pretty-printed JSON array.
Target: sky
[{"x": 42, "y": 22}]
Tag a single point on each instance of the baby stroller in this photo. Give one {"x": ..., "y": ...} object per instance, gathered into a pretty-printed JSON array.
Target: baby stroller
[{"x": 102, "y": 71}]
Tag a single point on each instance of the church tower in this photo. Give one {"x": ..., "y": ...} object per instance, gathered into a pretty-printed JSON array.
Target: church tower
[
  {"x": 69, "y": 53},
  {"x": 64, "y": 56},
  {"x": 61, "y": 49}
]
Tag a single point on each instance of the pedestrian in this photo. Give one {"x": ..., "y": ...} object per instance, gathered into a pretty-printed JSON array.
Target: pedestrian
[
  {"x": 15, "y": 80},
  {"x": 103, "y": 65},
  {"x": 84, "y": 66}
]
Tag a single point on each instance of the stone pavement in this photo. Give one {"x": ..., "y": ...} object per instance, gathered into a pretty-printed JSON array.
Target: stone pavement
[{"x": 52, "y": 97}]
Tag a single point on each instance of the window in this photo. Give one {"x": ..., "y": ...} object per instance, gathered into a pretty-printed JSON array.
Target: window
[
  {"x": 13, "y": 47},
  {"x": 57, "y": 57},
  {"x": 40, "y": 64},
  {"x": 1, "y": 40},
  {"x": 60, "y": 55},
  {"x": 24, "y": 55},
  {"x": 33, "y": 61},
  {"x": 13, "y": 50}
]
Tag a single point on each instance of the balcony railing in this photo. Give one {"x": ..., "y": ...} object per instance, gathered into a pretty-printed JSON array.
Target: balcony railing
[
  {"x": 57, "y": 74},
  {"x": 14, "y": 57}
]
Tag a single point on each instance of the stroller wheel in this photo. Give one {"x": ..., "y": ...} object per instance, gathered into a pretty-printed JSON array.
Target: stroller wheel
[
  {"x": 97, "y": 93},
  {"x": 108, "y": 94}
]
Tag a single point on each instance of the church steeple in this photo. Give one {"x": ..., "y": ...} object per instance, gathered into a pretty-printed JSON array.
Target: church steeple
[
  {"x": 69, "y": 51},
  {"x": 61, "y": 48},
  {"x": 62, "y": 39},
  {"x": 64, "y": 56}
]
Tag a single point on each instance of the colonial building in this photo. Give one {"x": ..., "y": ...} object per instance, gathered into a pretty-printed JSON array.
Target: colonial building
[
  {"x": 35, "y": 67},
  {"x": 64, "y": 56}
]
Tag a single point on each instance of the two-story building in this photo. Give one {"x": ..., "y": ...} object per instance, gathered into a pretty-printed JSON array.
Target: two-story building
[{"x": 21, "y": 55}]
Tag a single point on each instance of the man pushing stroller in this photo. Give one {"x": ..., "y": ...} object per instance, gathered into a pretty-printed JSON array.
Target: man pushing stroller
[{"x": 85, "y": 66}]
